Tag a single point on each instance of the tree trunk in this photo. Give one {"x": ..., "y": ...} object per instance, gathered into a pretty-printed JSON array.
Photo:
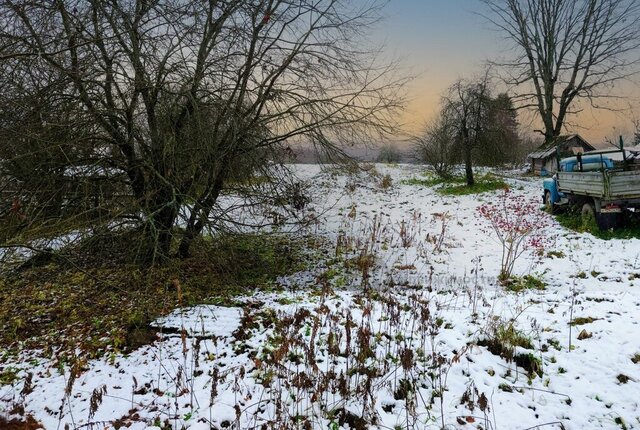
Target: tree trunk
[
  {"x": 194, "y": 228},
  {"x": 468, "y": 166},
  {"x": 197, "y": 219},
  {"x": 158, "y": 232}
]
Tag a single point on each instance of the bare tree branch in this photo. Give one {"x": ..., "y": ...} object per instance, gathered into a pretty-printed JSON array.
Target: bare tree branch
[{"x": 567, "y": 51}]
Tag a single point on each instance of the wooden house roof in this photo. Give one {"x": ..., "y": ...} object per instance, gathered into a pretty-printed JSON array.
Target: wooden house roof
[{"x": 547, "y": 149}]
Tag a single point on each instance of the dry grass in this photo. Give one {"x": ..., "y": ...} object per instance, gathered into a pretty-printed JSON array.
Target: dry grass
[{"x": 59, "y": 305}]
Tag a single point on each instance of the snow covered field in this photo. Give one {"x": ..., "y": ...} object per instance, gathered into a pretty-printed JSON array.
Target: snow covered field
[{"x": 384, "y": 332}]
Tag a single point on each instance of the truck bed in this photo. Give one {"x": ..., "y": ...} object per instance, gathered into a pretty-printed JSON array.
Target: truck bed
[{"x": 609, "y": 185}]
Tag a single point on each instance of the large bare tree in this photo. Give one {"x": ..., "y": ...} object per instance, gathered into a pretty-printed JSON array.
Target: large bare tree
[
  {"x": 177, "y": 99},
  {"x": 567, "y": 51}
]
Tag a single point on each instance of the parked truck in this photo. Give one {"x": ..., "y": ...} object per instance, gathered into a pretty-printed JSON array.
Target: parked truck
[{"x": 599, "y": 186}]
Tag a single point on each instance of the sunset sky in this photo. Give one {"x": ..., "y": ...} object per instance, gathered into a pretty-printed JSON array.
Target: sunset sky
[{"x": 443, "y": 40}]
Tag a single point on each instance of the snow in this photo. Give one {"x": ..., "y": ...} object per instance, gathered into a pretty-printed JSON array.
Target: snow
[
  {"x": 202, "y": 320},
  {"x": 172, "y": 379}
]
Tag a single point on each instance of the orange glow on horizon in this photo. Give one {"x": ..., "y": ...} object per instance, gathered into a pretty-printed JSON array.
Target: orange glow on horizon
[
  {"x": 595, "y": 125},
  {"x": 445, "y": 40}
]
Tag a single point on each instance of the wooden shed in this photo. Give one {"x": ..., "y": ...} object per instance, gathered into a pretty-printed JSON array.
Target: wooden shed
[{"x": 544, "y": 159}]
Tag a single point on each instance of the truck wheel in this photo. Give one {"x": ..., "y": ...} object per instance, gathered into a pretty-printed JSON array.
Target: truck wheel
[
  {"x": 588, "y": 215},
  {"x": 548, "y": 205}
]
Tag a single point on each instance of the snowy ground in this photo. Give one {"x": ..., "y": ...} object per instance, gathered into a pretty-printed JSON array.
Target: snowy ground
[{"x": 323, "y": 355}]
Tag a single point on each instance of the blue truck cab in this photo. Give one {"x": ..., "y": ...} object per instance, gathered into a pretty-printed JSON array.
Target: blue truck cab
[{"x": 595, "y": 162}]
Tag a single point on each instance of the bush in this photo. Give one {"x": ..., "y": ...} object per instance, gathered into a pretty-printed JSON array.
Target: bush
[
  {"x": 389, "y": 154},
  {"x": 517, "y": 225},
  {"x": 437, "y": 148},
  {"x": 386, "y": 182}
]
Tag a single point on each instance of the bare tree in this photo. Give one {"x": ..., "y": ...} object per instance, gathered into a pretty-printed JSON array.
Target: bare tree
[
  {"x": 179, "y": 99},
  {"x": 567, "y": 50},
  {"x": 467, "y": 106},
  {"x": 472, "y": 126},
  {"x": 437, "y": 146}
]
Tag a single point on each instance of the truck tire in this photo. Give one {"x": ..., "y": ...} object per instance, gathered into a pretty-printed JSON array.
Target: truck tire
[
  {"x": 548, "y": 205},
  {"x": 588, "y": 216}
]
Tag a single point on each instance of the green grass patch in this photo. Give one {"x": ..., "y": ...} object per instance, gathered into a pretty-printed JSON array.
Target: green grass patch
[
  {"x": 505, "y": 387},
  {"x": 572, "y": 220},
  {"x": 508, "y": 335},
  {"x": 555, "y": 254},
  {"x": 483, "y": 184},
  {"x": 432, "y": 181},
  {"x": 8, "y": 375},
  {"x": 457, "y": 186},
  {"x": 531, "y": 363},
  {"x": 526, "y": 282},
  {"x": 108, "y": 307},
  {"x": 504, "y": 339}
]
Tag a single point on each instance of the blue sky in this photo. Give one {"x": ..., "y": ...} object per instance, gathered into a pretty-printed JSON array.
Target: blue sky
[
  {"x": 443, "y": 40},
  {"x": 439, "y": 41}
]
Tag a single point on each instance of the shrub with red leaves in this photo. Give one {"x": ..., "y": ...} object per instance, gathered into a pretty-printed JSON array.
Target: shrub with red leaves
[{"x": 518, "y": 224}]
